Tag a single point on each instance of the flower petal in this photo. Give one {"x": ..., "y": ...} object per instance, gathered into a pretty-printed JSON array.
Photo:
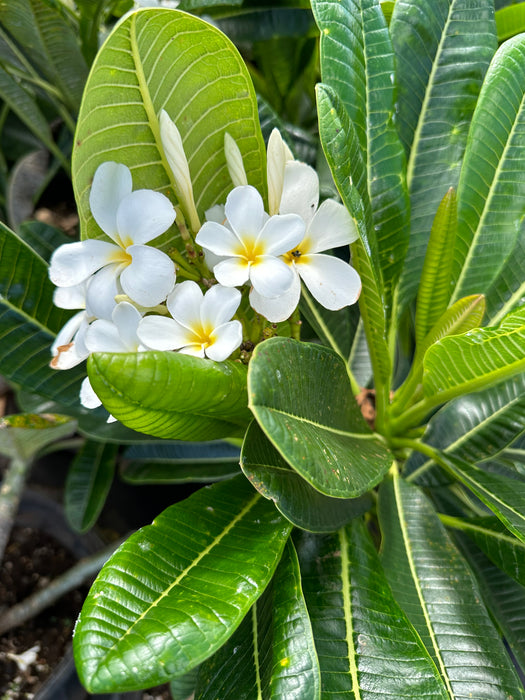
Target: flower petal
[
  {"x": 232, "y": 272},
  {"x": 330, "y": 280},
  {"x": 244, "y": 210},
  {"x": 72, "y": 263},
  {"x": 66, "y": 351},
  {"x": 277, "y": 155},
  {"x": 103, "y": 336},
  {"x": 219, "y": 305},
  {"x": 225, "y": 339},
  {"x": 195, "y": 350},
  {"x": 70, "y": 297},
  {"x": 88, "y": 398},
  {"x": 216, "y": 213},
  {"x": 219, "y": 239},
  {"x": 162, "y": 333},
  {"x": 300, "y": 190},
  {"x": 127, "y": 318},
  {"x": 234, "y": 161},
  {"x": 101, "y": 291},
  {"x": 281, "y": 234},
  {"x": 280, "y": 308},
  {"x": 150, "y": 277},
  {"x": 142, "y": 216},
  {"x": 111, "y": 183},
  {"x": 270, "y": 276},
  {"x": 331, "y": 227},
  {"x": 184, "y": 304}
]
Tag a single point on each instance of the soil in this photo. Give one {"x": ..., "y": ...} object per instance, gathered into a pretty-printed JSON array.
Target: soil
[{"x": 31, "y": 560}]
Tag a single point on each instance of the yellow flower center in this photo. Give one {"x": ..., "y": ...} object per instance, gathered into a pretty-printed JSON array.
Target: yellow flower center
[{"x": 121, "y": 256}]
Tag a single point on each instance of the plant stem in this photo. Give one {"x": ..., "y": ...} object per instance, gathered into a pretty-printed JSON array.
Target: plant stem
[
  {"x": 12, "y": 487},
  {"x": 74, "y": 577}
]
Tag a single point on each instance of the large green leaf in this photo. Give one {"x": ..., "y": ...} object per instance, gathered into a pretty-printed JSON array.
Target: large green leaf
[
  {"x": 503, "y": 597},
  {"x": 443, "y": 49},
  {"x": 172, "y": 395},
  {"x": 510, "y": 20},
  {"x": 475, "y": 426},
  {"x": 28, "y": 323},
  {"x": 272, "y": 653},
  {"x": 508, "y": 290},
  {"x": 88, "y": 482},
  {"x": 165, "y": 59},
  {"x": 357, "y": 61},
  {"x": 197, "y": 570},
  {"x": 366, "y": 645},
  {"x": 301, "y": 397},
  {"x": 305, "y": 507},
  {"x": 168, "y": 462},
  {"x": 504, "y": 550},
  {"x": 505, "y": 496},
  {"x": 340, "y": 144},
  {"x": 477, "y": 359},
  {"x": 50, "y": 43},
  {"x": 491, "y": 192},
  {"x": 433, "y": 584}
]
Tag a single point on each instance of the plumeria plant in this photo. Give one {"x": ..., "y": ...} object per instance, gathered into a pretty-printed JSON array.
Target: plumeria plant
[{"x": 366, "y": 354}]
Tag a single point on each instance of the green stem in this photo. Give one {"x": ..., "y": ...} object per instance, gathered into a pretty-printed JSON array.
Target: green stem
[
  {"x": 413, "y": 416},
  {"x": 295, "y": 324},
  {"x": 10, "y": 493}
]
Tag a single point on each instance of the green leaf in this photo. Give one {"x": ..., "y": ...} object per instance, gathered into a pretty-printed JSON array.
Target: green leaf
[
  {"x": 172, "y": 395},
  {"x": 483, "y": 357},
  {"x": 183, "y": 687},
  {"x": 166, "y": 59},
  {"x": 272, "y": 653},
  {"x": 510, "y": 21},
  {"x": 28, "y": 323},
  {"x": 88, "y": 482},
  {"x": 504, "y": 550},
  {"x": 435, "y": 287},
  {"x": 341, "y": 147},
  {"x": 365, "y": 643},
  {"x": 301, "y": 397},
  {"x": 24, "y": 434},
  {"x": 197, "y": 571},
  {"x": 491, "y": 191},
  {"x": 504, "y": 598},
  {"x": 43, "y": 238},
  {"x": 299, "y": 502},
  {"x": 357, "y": 61},
  {"x": 50, "y": 43},
  {"x": 474, "y": 427},
  {"x": 508, "y": 290},
  {"x": 504, "y": 496},
  {"x": 443, "y": 49},
  {"x": 179, "y": 462},
  {"x": 433, "y": 584}
]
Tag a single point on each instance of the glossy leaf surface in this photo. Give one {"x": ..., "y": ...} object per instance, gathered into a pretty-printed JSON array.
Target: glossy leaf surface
[
  {"x": 435, "y": 587},
  {"x": 197, "y": 571},
  {"x": 172, "y": 395},
  {"x": 461, "y": 364},
  {"x": 301, "y": 397},
  {"x": 443, "y": 49},
  {"x": 28, "y": 323},
  {"x": 272, "y": 653},
  {"x": 364, "y": 641},
  {"x": 88, "y": 482},
  {"x": 471, "y": 426},
  {"x": 293, "y": 496},
  {"x": 357, "y": 61},
  {"x": 166, "y": 59},
  {"x": 491, "y": 191}
]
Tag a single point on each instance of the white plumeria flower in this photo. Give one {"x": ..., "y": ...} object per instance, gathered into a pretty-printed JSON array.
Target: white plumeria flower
[
  {"x": 251, "y": 244},
  {"x": 331, "y": 281},
  {"x": 200, "y": 324},
  {"x": 69, "y": 348},
  {"x": 117, "y": 335},
  {"x": 131, "y": 219}
]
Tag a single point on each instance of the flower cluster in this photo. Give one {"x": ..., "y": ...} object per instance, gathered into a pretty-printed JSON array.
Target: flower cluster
[{"x": 130, "y": 294}]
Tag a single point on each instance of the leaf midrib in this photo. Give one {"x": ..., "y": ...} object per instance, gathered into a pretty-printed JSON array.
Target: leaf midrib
[
  {"x": 347, "y": 609},
  {"x": 217, "y": 540}
]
